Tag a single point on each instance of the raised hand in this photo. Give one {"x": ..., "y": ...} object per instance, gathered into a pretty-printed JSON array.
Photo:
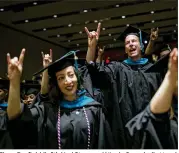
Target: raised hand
[
  {"x": 47, "y": 59},
  {"x": 15, "y": 66},
  {"x": 154, "y": 34},
  {"x": 93, "y": 36},
  {"x": 173, "y": 63},
  {"x": 101, "y": 50}
]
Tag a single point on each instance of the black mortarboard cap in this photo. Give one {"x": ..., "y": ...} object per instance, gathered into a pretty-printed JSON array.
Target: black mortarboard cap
[
  {"x": 159, "y": 65},
  {"x": 165, "y": 47},
  {"x": 30, "y": 87},
  {"x": 160, "y": 46},
  {"x": 37, "y": 77},
  {"x": 130, "y": 30},
  {"x": 68, "y": 59}
]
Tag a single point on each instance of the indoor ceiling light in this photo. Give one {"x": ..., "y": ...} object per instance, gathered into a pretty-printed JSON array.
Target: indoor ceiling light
[
  {"x": 44, "y": 29},
  {"x": 55, "y": 16},
  {"x": 153, "y": 21},
  {"x": 26, "y": 21},
  {"x": 35, "y": 3},
  {"x": 85, "y": 11},
  {"x": 145, "y": 41},
  {"x": 127, "y": 25},
  {"x": 95, "y": 21},
  {"x": 70, "y": 25},
  {"x": 1, "y": 9},
  {"x": 80, "y": 32},
  {"x": 117, "y": 5},
  {"x": 77, "y": 44},
  {"x": 123, "y": 16},
  {"x": 107, "y": 19},
  {"x": 68, "y": 40},
  {"x": 104, "y": 28},
  {"x": 109, "y": 34},
  {"x": 58, "y": 35},
  {"x": 152, "y": 12}
]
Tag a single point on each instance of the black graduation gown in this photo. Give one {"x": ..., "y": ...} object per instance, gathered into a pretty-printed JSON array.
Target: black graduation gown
[
  {"x": 131, "y": 91},
  {"x": 153, "y": 131},
  {"x": 5, "y": 138},
  {"x": 23, "y": 130},
  {"x": 73, "y": 129}
]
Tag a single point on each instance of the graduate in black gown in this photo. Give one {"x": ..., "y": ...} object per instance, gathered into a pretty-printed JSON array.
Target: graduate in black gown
[
  {"x": 4, "y": 86},
  {"x": 131, "y": 87},
  {"x": 153, "y": 128},
  {"x": 67, "y": 119},
  {"x": 5, "y": 138},
  {"x": 29, "y": 91}
]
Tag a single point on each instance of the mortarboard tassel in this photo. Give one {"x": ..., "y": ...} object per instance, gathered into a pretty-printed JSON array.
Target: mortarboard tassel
[{"x": 141, "y": 44}]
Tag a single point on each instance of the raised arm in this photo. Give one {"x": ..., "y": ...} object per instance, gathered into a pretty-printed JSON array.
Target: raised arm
[
  {"x": 47, "y": 59},
  {"x": 99, "y": 73},
  {"x": 153, "y": 37},
  {"x": 15, "y": 67},
  {"x": 162, "y": 100}
]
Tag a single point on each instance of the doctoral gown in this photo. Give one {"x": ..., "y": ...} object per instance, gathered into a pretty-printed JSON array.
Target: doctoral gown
[
  {"x": 73, "y": 124},
  {"x": 131, "y": 89},
  {"x": 153, "y": 131}
]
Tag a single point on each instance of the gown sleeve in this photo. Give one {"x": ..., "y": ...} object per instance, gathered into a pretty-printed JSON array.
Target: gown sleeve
[
  {"x": 103, "y": 75},
  {"x": 152, "y": 131},
  {"x": 27, "y": 130},
  {"x": 5, "y": 139}
]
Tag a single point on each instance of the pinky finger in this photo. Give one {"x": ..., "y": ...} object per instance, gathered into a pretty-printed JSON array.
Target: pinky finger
[
  {"x": 8, "y": 58},
  {"x": 43, "y": 55}
]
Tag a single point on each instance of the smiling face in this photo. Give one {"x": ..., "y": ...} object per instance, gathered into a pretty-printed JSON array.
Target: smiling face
[
  {"x": 67, "y": 81},
  {"x": 132, "y": 47}
]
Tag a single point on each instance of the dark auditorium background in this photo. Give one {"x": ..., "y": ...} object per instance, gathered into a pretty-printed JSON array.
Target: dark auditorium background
[{"x": 59, "y": 25}]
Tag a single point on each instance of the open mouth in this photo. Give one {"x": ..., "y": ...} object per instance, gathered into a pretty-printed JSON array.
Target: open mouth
[
  {"x": 132, "y": 50},
  {"x": 69, "y": 88}
]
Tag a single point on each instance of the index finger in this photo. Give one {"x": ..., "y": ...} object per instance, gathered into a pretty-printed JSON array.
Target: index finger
[
  {"x": 98, "y": 29},
  {"x": 174, "y": 54},
  {"x": 152, "y": 29},
  {"x": 87, "y": 31},
  {"x": 21, "y": 57},
  {"x": 175, "y": 50},
  {"x": 51, "y": 53}
]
